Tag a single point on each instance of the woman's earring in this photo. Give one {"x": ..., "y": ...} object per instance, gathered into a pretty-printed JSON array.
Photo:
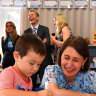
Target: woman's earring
[{"x": 82, "y": 67}]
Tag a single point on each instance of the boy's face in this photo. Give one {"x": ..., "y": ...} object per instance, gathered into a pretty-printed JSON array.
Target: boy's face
[{"x": 29, "y": 64}]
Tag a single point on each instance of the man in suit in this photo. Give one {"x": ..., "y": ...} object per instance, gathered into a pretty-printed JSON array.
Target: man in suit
[{"x": 43, "y": 33}]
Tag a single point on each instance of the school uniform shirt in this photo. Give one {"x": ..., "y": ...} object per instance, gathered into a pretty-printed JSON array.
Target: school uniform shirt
[
  {"x": 10, "y": 78},
  {"x": 83, "y": 82}
]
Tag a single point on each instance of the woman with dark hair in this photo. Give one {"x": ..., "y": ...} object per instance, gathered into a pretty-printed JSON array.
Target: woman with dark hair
[
  {"x": 8, "y": 44},
  {"x": 72, "y": 71}
]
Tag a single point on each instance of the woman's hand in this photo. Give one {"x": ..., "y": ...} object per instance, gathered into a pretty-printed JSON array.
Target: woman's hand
[
  {"x": 53, "y": 38},
  {"x": 56, "y": 91},
  {"x": 44, "y": 40},
  {"x": 44, "y": 93}
]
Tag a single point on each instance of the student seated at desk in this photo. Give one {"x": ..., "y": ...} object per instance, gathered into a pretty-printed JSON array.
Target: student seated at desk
[
  {"x": 71, "y": 75},
  {"x": 29, "y": 54}
]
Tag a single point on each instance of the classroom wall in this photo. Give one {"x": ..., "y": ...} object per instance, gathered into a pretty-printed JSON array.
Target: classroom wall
[{"x": 81, "y": 21}]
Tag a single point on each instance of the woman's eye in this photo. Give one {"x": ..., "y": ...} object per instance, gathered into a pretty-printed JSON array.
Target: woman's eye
[
  {"x": 67, "y": 58},
  {"x": 75, "y": 60}
]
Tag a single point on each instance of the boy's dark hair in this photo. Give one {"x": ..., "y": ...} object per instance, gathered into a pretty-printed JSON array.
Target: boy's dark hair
[
  {"x": 81, "y": 46},
  {"x": 29, "y": 42}
]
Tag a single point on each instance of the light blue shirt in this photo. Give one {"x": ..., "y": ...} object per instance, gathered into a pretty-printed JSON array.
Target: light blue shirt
[{"x": 10, "y": 45}]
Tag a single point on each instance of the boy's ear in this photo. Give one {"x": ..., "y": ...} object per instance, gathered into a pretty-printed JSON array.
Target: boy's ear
[{"x": 16, "y": 55}]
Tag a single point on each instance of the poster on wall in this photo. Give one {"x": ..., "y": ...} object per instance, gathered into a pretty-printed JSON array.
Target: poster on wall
[
  {"x": 93, "y": 3},
  {"x": 20, "y": 3},
  {"x": 65, "y": 3},
  {"x": 6, "y": 3},
  {"x": 34, "y": 3},
  {"x": 50, "y": 4},
  {"x": 81, "y": 3}
]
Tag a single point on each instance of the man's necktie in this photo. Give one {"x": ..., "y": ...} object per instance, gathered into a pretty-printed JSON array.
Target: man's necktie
[{"x": 34, "y": 31}]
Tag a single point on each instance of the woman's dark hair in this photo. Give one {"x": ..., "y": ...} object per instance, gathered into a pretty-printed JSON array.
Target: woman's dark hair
[
  {"x": 81, "y": 46},
  {"x": 29, "y": 42}
]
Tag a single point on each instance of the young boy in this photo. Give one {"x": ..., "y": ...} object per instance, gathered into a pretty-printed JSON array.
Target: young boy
[{"x": 29, "y": 54}]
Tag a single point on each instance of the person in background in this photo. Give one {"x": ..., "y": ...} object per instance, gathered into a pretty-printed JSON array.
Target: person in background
[
  {"x": 43, "y": 33},
  {"x": 71, "y": 76},
  {"x": 8, "y": 44},
  {"x": 62, "y": 32},
  {"x": 29, "y": 54}
]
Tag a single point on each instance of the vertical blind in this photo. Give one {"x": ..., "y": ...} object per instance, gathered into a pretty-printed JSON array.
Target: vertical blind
[{"x": 82, "y": 21}]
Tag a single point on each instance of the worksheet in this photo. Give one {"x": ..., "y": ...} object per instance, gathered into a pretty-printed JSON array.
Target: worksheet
[
  {"x": 65, "y": 3},
  {"x": 81, "y": 3},
  {"x": 6, "y": 3},
  {"x": 34, "y": 3},
  {"x": 20, "y": 3},
  {"x": 50, "y": 4},
  {"x": 93, "y": 3}
]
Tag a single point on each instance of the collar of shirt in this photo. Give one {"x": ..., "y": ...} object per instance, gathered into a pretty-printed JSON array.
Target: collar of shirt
[{"x": 35, "y": 26}]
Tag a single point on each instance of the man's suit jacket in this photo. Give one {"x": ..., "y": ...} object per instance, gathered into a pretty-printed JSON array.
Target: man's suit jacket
[{"x": 42, "y": 32}]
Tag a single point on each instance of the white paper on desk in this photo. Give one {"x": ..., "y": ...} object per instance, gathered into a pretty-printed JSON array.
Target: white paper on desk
[
  {"x": 46, "y": 85},
  {"x": 81, "y": 3},
  {"x": 65, "y": 3},
  {"x": 50, "y": 3}
]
